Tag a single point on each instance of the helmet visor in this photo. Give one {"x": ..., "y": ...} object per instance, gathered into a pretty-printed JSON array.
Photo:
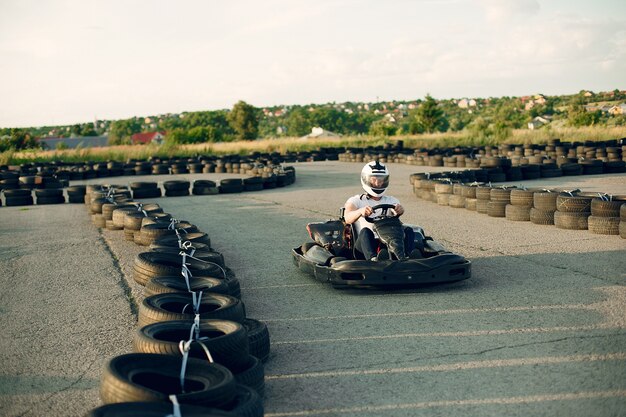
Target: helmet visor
[{"x": 377, "y": 182}]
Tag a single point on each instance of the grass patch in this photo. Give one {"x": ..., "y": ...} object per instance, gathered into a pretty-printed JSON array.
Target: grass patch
[{"x": 123, "y": 153}]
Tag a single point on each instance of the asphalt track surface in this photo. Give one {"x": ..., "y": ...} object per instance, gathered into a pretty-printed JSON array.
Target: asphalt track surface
[{"x": 539, "y": 329}]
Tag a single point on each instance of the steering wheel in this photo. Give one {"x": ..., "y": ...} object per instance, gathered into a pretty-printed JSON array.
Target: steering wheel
[{"x": 384, "y": 212}]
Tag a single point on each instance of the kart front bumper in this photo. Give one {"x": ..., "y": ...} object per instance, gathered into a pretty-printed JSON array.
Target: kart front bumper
[{"x": 447, "y": 267}]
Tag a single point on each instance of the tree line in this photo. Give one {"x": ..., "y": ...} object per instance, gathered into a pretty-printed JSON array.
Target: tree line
[{"x": 484, "y": 118}]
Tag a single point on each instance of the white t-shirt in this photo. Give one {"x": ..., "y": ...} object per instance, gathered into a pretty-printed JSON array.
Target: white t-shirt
[{"x": 361, "y": 200}]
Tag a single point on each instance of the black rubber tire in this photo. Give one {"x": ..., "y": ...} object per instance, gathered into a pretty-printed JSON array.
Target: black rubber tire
[
  {"x": 153, "y": 218},
  {"x": 227, "y": 341},
  {"x": 77, "y": 190},
  {"x": 18, "y": 201},
  {"x": 176, "y": 193},
  {"x": 174, "y": 244},
  {"x": 602, "y": 208},
  {"x": 500, "y": 195},
  {"x": 165, "y": 264},
  {"x": 51, "y": 200},
  {"x": 571, "y": 220},
  {"x": 230, "y": 189},
  {"x": 251, "y": 374},
  {"x": 152, "y": 377},
  {"x": 258, "y": 338},
  {"x": 149, "y": 265},
  {"x": 151, "y": 232},
  {"x": 201, "y": 190},
  {"x": 160, "y": 409},
  {"x": 521, "y": 197},
  {"x": 545, "y": 200},
  {"x": 163, "y": 285},
  {"x": 517, "y": 213},
  {"x": 573, "y": 203},
  {"x": 205, "y": 255},
  {"x": 75, "y": 199},
  {"x": 174, "y": 185},
  {"x": 482, "y": 206},
  {"x": 541, "y": 217},
  {"x": 18, "y": 192},
  {"x": 49, "y": 192},
  {"x": 468, "y": 191},
  {"x": 456, "y": 201},
  {"x": 204, "y": 183},
  {"x": 247, "y": 403},
  {"x": 167, "y": 307},
  {"x": 470, "y": 203},
  {"x": 496, "y": 208},
  {"x": 147, "y": 193},
  {"x": 143, "y": 185},
  {"x": 133, "y": 219},
  {"x": 603, "y": 225},
  {"x": 483, "y": 193},
  {"x": 253, "y": 187},
  {"x": 193, "y": 237}
]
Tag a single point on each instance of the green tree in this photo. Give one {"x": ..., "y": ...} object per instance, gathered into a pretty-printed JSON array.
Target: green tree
[
  {"x": 177, "y": 136},
  {"x": 428, "y": 118},
  {"x": 121, "y": 131},
  {"x": 18, "y": 139},
  {"x": 243, "y": 119},
  {"x": 382, "y": 128},
  {"x": 298, "y": 122},
  {"x": 577, "y": 114},
  {"x": 88, "y": 130}
]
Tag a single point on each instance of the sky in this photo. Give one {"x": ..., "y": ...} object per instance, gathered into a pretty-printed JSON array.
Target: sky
[{"x": 75, "y": 61}]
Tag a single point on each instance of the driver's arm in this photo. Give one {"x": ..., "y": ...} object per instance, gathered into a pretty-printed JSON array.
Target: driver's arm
[{"x": 352, "y": 214}]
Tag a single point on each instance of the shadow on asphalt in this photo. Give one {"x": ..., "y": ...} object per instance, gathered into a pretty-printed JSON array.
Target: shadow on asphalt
[
  {"x": 33, "y": 385},
  {"x": 536, "y": 270}
]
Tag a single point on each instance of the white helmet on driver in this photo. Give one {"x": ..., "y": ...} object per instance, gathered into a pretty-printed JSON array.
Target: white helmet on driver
[{"x": 375, "y": 178}]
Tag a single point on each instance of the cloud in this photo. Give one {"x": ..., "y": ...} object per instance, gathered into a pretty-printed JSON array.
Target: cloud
[{"x": 504, "y": 10}]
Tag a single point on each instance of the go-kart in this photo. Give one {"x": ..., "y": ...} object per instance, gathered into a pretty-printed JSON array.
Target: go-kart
[{"x": 331, "y": 256}]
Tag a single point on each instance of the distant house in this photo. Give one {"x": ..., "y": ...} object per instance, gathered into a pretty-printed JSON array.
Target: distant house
[
  {"x": 148, "y": 137},
  {"x": 538, "y": 121},
  {"x": 465, "y": 103},
  {"x": 73, "y": 143},
  {"x": 617, "y": 110},
  {"x": 318, "y": 132},
  {"x": 530, "y": 102}
]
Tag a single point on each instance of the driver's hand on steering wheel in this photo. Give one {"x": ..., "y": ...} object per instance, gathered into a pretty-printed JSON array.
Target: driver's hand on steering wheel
[
  {"x": 366, "y": 211},
  {"x": 399, "y": 209}
]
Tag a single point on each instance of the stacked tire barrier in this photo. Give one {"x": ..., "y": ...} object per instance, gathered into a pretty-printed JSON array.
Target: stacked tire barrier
[
  {"x": 26, "y": 186},
  {"x": 195, "y": 350},
  {"x": 544, "y": 207},
  {"x": 607, "y": 214},
  {"x": 599, "y": 213},
  {"x": 508, "y": 162},
  {"x": 572, "y": 211},
  {"x": 521, "y": 202}
]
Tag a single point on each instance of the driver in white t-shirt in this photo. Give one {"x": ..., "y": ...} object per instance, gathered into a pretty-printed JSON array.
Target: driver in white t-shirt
[{"x": 375, "y": 180}]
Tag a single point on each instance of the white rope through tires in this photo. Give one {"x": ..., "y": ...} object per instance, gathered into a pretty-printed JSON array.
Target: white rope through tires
[
  {"x": 184, "y": 347},
  {"x": 187, "y": 246},
  {"x": 186, "y": 255},
  {"x": 187, "y": 274},
  {"x": 175, "y": 407},
  {"x": 196, "y": 298}
]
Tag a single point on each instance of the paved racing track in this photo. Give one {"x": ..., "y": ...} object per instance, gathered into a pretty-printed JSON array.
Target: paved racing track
[{"x": 539, "y": 329}]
